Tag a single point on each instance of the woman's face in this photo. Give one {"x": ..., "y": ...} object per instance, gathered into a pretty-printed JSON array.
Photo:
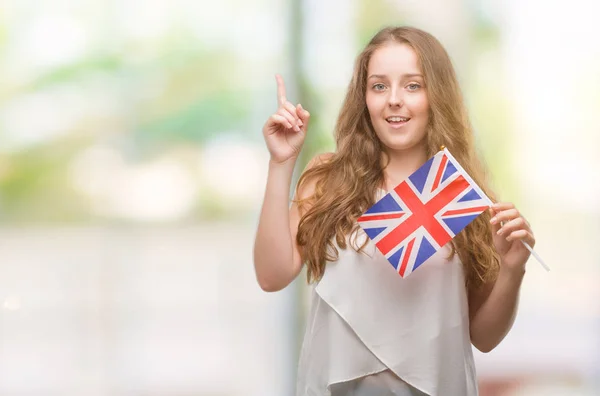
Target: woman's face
[{"x": 396, "y": 97}]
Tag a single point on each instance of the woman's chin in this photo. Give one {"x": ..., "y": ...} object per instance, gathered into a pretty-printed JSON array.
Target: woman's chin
[{"x": 404, "y": 144}]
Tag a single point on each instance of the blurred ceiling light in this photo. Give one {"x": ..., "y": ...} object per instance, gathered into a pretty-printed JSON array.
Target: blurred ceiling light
[
  {"x": 163, "y": 190},
  {"x": 158, "y": 191},
  {"x": 51, "y": 40}
]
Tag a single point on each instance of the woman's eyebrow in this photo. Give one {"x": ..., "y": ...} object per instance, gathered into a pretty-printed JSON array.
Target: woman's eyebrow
[{"x": 407, "y": 75}]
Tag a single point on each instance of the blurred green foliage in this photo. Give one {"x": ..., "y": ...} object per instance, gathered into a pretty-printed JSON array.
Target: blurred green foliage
[{"x": 174, "y": 91}]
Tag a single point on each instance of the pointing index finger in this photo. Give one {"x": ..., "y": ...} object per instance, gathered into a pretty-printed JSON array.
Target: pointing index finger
[{"x": 281, "y": 96}]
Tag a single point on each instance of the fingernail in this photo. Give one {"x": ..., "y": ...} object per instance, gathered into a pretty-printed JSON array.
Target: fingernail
[
  {"x": 300, "y": 123},
  {"x": 499, "y": 231},
  {"x": 493, "y": 220},
  {"x": 289, "y": 125},
  {"x": 296, "y": 128}
]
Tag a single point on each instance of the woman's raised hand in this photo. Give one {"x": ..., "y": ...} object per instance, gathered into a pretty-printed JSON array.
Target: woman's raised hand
[{"x": 285, "y": 130}]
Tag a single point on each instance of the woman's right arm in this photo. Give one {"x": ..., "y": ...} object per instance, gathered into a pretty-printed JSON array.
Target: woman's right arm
[{"x": 277, "y": 259}]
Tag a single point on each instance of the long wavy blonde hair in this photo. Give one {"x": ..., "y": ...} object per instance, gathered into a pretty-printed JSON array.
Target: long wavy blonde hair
[{"x": 345, "y": 183}]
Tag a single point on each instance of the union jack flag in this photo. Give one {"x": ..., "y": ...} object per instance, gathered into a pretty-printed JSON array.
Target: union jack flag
[{"x": 424, "y": 212}]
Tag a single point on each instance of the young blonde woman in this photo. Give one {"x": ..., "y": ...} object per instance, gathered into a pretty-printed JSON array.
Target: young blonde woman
[{"x": 369, "y": 331}]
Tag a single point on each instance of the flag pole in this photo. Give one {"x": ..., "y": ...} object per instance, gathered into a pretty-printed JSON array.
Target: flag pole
[{"x": 533, "y": 253}]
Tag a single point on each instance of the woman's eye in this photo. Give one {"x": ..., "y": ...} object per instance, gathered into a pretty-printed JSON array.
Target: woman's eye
[
  {"x": 379, "y": 87},
  {"x": 413, "y": 86}
]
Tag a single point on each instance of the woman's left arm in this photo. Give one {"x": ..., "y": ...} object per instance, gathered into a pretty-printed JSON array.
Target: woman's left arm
[{"x": 493, "y": 308}]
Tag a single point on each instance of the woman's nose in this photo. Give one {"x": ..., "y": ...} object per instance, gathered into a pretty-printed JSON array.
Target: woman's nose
[{"x": 395, "y": 98}]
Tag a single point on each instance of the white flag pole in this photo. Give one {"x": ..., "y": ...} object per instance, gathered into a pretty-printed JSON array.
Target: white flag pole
[{"x": 534, "y": 254}]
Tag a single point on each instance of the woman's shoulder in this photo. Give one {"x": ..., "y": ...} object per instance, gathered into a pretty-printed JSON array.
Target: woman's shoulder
[
  {"x": 320, "y": 159},
  {"x": 316, "y": 161},
  {"x": 306, "y": 186}
]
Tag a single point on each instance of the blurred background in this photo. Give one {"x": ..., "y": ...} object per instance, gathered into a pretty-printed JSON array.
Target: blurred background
[{"x": 132, "y": 169}]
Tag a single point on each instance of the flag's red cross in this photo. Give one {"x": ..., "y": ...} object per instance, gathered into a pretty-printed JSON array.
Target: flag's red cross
[{"x": 422, "y": 214}]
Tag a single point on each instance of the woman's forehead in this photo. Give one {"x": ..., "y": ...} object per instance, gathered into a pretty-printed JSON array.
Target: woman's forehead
[{"x": 394, "y": 59}]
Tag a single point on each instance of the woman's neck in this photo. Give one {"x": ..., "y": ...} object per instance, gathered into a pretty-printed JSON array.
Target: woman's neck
[{"x": 401, "y": 164}]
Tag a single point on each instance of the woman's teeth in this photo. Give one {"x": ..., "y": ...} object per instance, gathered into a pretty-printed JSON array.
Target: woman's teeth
[{"x": 397, "y": 119}]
